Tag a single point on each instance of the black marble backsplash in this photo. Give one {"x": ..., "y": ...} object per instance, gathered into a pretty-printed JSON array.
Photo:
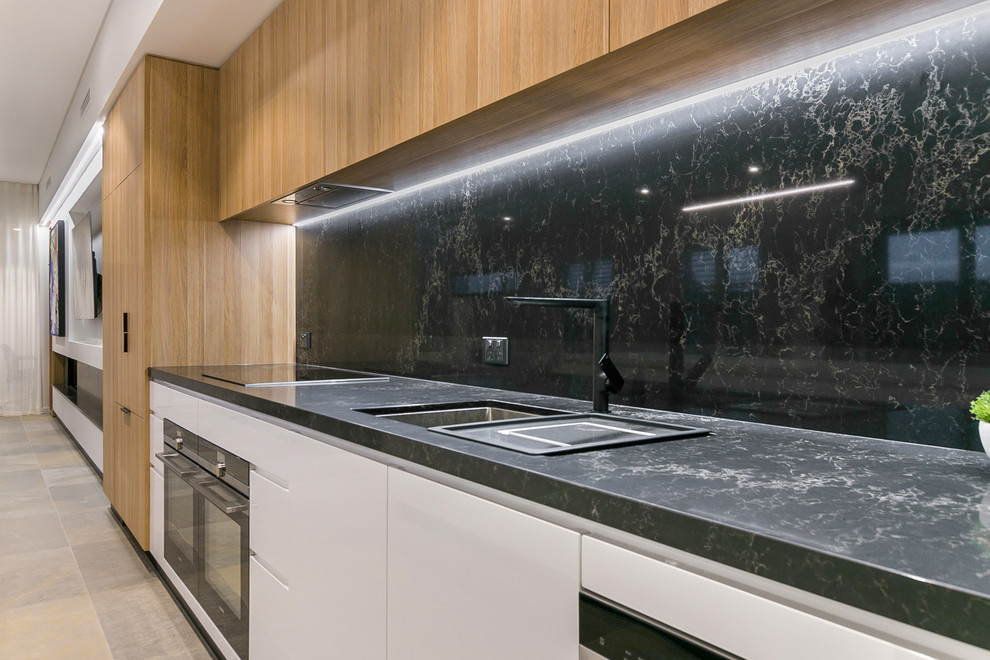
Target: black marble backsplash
[{"x": 863, "y": 308}]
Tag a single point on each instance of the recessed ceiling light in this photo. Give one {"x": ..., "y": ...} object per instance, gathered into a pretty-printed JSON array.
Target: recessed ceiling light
[{"x": 17, "y": 228}]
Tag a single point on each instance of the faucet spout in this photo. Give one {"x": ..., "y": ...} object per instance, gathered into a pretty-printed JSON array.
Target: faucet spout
[{"x": 606, "y": 378}]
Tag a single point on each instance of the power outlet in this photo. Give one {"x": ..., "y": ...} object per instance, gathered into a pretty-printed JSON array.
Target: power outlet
[
  {"x": 304, "y": 340},
  {"x": 496, "y": 350}
]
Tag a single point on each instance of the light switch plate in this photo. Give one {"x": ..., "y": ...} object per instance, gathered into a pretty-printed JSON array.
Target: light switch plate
[{"x": 496, "y": 350}]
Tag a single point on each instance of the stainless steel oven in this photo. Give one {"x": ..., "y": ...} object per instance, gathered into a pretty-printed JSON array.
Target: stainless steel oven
[{"x": 206, "y": 528}]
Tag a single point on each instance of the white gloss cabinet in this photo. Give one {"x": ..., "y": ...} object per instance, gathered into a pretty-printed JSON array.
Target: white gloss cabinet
[
  {"x": 156, "y": 500},
  {"x": 468, "y": 578},
  {"x": 729, "y": 618},
  {"x": 318, "y": 534},
  {"x": 270, "y": 627},
  {"x": 271, "y": 525},
  {"x": 336, "y": 578}
]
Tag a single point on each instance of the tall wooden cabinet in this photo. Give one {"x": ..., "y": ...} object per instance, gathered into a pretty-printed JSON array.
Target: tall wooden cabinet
[{"x": 180, "y": 288}]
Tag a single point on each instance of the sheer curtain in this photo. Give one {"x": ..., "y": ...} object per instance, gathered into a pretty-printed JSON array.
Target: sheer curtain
[{"x": 23, "y": 301}]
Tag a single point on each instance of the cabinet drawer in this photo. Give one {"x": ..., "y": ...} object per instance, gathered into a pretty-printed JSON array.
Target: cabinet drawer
[
  {"x": 270, "y": 627},
  {"x": 729, "y": 618},
  {"x": 279, "y": 451},
  {"x": 271, "y": 527},
  {"x": 175, "y": 406}
]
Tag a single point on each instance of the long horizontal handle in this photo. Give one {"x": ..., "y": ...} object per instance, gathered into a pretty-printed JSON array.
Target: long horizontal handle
[
  {"x": 233, "y": 502},
  {"x": 182, "y": 467}
]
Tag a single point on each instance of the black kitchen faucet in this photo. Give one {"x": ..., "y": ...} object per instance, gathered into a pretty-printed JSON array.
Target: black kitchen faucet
[{"x": 606, "y": 379}]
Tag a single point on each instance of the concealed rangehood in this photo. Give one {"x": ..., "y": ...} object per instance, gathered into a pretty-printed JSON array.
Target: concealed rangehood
[{"x": 309, "y": 202}]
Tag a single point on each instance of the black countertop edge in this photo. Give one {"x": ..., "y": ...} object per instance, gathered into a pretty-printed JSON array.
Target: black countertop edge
[{"x": 916, "y": 601}]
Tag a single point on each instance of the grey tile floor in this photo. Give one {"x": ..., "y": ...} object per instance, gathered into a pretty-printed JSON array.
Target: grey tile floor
[{"x": 71, "y": 584}]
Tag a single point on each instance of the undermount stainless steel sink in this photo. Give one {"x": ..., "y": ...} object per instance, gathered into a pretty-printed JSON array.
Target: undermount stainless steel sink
[
  {"x": 531, "y": 430},
  {"x": 447, "y": 414}
]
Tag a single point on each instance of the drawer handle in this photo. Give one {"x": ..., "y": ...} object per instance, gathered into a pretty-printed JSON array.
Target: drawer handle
[{"x": 124, "y": 410}]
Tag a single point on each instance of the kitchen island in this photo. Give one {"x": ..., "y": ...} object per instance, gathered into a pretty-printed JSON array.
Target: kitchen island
[{"x": 891, "y": 529}]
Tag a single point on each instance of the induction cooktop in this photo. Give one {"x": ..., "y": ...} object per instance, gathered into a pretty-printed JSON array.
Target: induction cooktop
[{"x": 275, "y": 375}]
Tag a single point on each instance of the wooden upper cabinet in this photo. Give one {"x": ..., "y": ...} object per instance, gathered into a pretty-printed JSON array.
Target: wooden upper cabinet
[
  {"x": 538, "y": 40},
  {"x": 631, "y": 20},
  {"x": 123, "y": 133},
  {"x": 362, "y": 108},
  {"x": 273, "y": 108},
  {"x": 323, "y": 84},
  {"x": 447, "y": 58}
]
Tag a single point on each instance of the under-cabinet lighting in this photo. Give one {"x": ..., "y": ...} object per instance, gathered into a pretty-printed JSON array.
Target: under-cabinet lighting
[
  {"x": 753, "y": 169},
  {"x": 786, "y": 192},
  {"x": 809, "y": 63},
  {"x": 507, "y": 218},
  {"x": 644, "y": 191}
]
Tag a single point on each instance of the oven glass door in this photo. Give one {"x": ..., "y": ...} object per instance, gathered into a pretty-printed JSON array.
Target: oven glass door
[
  {"x": 180, "y": 518},
  {"x": 223, "y": 535}
]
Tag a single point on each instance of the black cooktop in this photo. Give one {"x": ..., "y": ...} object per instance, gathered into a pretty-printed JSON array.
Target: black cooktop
[{"x": 273, "y": 375}]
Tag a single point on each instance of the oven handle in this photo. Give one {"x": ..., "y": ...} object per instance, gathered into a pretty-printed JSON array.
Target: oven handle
[
  {"x": 181, "y": 466},
  {"x": 235, "y": 504}
]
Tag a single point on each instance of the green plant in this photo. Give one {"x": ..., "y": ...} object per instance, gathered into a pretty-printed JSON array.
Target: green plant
[{"x": 981, "y": 407}]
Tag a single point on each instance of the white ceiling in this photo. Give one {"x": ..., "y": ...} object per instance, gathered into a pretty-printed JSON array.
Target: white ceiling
[{"x": 44, "y": 46}]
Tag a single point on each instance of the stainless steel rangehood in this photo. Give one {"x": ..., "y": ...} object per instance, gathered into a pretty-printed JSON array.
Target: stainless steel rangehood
[{"x": 311, "y": 201}]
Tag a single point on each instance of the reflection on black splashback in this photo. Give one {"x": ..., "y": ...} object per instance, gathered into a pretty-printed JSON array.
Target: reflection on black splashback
[{"x": 861, "y": 308}]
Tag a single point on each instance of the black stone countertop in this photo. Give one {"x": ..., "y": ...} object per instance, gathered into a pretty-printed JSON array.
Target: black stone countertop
[{"x": 892, "y": 528}]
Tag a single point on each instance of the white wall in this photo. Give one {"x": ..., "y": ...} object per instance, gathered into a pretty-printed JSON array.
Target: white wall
[{"x": 114, "y": 55}]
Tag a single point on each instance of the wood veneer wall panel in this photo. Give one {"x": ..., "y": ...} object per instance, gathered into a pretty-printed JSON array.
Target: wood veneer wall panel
[
  {"x": 182, "y": 189},
  {"x": 123, "y": 133},
  {"x": 631, "y": 20},
  {"x": 250, "y": 290}
]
